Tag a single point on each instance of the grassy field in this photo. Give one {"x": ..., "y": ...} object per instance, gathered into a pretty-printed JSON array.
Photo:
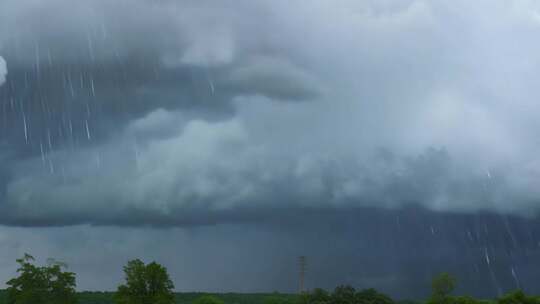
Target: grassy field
[{"x": 181, "y": 298}]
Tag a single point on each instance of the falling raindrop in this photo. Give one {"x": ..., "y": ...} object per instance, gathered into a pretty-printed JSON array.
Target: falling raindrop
[
  {"x": 88, "y": 136},
  {"x": 25, "y": 128},
  {"x": 49, "y": 140},
  {"x": 51, "y": 166},
  {"x": 92, "y": 87},
  {"x": 98, "y": 160},
  {"x": 42, "y": 153},
  {"x": 211, "y": 83},
  {"x": 90, "y": 47},
  {"x": 515, "y": 277}
]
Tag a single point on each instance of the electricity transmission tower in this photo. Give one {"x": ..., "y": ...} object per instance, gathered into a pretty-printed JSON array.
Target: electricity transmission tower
[{"x": 302, "y": 268}]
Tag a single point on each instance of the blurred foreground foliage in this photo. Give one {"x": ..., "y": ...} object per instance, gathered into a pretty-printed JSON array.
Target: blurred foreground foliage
[{"x": 316, "y": 296}]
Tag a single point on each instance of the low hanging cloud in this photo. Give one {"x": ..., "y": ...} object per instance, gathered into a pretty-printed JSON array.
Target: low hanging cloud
[
  {"x": 193, "y": 114},
  {"x": 201, "y": 173}
]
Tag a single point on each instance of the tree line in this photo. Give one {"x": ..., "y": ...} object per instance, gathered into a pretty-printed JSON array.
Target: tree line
[
  {"x": 151, "y": 284},
  {"x": 53, "y": 284},
  {"x": 442, "y": 287}
]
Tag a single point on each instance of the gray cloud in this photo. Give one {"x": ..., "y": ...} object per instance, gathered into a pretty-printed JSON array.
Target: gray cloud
[
  {"x": 206, "y": 173},
  {"x": 254, "y": 132},
  {"x": 179, "y": 120},
  {"x": 105, "y": 63}
]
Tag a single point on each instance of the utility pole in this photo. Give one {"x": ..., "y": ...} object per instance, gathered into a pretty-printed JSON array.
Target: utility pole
[{"x": 302, "y": 271}]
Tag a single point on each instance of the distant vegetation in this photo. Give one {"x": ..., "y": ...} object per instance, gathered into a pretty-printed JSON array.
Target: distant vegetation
[
  {"x": 97, "y": 297},
  {"x": 151, "y": 284}
]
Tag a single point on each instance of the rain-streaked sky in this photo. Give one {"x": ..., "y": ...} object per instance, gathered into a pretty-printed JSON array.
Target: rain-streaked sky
[{"x": 385, "y": 140}]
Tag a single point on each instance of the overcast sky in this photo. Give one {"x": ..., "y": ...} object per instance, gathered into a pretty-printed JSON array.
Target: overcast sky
[{"x": 225, "y": 138}]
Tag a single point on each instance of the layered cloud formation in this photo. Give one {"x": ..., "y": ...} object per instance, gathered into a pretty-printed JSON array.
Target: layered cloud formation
[{"x": 177, "y": 113}]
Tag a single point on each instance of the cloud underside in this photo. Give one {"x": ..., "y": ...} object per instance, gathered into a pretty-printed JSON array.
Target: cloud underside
[
  {"x": 183, "y": 113},
  {"x": 211, "y": 173}
]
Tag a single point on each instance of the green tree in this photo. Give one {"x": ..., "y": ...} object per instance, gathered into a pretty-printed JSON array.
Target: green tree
[
  {"x": 145, "y": 284},
  {"x": 372, "y": 296},
  {"x": 278, "y": 299},
  {"x": 207, "y": 299},
  {"x": 343, "y": 294},
  {"x": 441, "y": 286},
  {"x": 518, "y": 297},
  {"x": 43, "y": 285},
  {"x": 317, "y": 296},
  {"x": 467, "y": 300}
]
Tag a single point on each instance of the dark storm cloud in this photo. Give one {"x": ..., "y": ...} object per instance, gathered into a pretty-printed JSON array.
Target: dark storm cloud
[
  {"x": 172, "y": 113},
  {"x": 217, "y": 178},
  {"x": 78, "y": 75},
  {"x": 386, "y": 140}
]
